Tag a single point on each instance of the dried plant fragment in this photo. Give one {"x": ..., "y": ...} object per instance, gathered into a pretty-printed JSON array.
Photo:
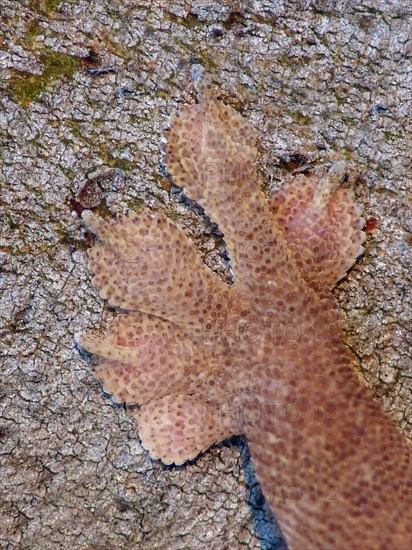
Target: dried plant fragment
[{"x": 263, "y": 357}]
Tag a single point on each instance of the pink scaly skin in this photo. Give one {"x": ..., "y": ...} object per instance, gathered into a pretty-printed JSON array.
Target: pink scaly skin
[{"x": 263, "y": 357}]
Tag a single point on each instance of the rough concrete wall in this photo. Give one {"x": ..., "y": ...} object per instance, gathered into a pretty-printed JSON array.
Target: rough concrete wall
[{"x": 86, "y": 88}]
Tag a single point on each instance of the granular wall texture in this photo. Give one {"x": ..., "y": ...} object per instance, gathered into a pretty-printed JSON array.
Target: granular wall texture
[{"x": 86, "y": 89}]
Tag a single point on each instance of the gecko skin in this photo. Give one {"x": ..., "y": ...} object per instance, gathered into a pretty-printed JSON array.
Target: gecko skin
[{"x": 265, "y": 356}]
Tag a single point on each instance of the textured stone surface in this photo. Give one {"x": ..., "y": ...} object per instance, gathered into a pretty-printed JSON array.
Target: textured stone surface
[{"x": 86, "y": 88}]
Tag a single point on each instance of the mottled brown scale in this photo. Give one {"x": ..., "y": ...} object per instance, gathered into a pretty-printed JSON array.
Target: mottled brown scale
[{"x": 264, "y": 356}]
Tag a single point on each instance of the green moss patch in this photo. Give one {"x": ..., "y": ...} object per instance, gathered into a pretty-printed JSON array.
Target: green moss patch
[
  {"x": 44, "y": 6},
  {"x": 51, "y": 5},
  {"x": 25, "y": 87}
]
